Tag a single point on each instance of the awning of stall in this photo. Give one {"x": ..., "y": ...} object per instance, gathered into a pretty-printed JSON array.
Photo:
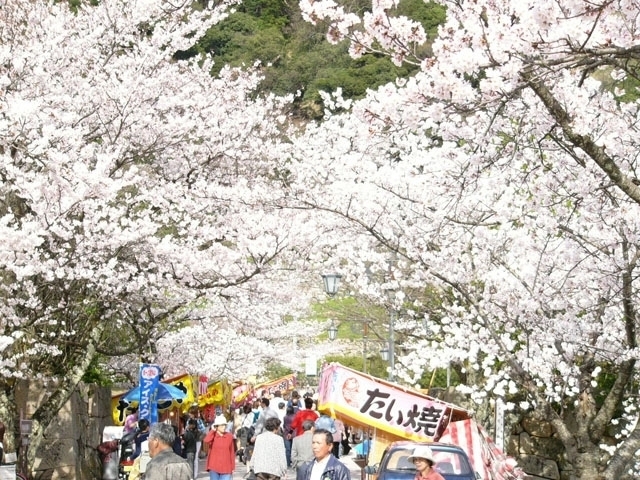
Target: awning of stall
[
  {"x": 390, "y": 412},
  {"x": 207, "y": 395}
]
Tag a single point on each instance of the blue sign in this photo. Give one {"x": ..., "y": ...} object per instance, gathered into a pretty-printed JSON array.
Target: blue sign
[{"x": 149, "y": 380}]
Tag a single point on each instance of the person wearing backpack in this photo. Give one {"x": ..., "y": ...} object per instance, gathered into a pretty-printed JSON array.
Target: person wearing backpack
[
  {"x": 294, "y": 401},
  {"x": 267, "y": 412},
  {"x": 246, "y": 430}
]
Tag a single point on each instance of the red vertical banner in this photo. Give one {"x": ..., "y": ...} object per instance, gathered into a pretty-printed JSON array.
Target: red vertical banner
[{"x": 203, "y": 383}]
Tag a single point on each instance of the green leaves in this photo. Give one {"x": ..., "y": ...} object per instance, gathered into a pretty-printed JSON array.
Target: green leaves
[{"x": 296, "y": 55}]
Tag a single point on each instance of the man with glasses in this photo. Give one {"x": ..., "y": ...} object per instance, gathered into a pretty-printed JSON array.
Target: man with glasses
[{"x": 165, "y": 464}]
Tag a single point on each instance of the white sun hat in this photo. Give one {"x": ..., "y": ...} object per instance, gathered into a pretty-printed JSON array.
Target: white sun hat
[
  {"x": 421, "y": 451},
  {"x": 220, "y": 420}
]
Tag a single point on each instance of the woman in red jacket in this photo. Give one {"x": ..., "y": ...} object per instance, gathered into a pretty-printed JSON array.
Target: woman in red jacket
[
  {"x": 307, "y": 414},
  {"x": 221, "y": 457}
]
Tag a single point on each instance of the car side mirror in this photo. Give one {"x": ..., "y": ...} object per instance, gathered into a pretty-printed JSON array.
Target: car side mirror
[{"x": 371, "y": 469}]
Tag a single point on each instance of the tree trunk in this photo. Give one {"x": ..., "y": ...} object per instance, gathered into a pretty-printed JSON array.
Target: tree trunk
[{"x": 48, "y": 410}]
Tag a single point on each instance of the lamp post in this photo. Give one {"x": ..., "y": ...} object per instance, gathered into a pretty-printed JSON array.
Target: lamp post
[
  {"x": 388, "y": 353},
  {"x": 331, "y": 282}
]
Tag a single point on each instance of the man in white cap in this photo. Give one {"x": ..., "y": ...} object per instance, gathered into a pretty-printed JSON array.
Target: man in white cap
[{"x": 422, "y": 458}]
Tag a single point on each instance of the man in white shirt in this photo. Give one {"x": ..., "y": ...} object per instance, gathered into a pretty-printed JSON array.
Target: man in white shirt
[{"x": 282, "y": 410}]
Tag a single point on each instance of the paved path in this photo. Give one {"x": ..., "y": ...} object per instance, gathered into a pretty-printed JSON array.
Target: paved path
[{"x": 241, "y": 470}]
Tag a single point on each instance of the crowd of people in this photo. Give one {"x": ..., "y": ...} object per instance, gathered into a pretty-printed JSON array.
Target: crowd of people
[{"x": 270, "y": 436}]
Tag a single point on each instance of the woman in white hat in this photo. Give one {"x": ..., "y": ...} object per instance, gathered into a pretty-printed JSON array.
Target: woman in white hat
[
  {"x": 221, "y": 457},
  {"x": 422, "y": 458}
]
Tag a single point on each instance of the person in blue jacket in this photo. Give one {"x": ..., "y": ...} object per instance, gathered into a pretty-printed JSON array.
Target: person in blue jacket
[{"x": 324, "y": 466}]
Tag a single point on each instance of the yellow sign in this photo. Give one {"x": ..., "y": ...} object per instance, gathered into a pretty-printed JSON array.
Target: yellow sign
[{"x": 218, "y": 393}]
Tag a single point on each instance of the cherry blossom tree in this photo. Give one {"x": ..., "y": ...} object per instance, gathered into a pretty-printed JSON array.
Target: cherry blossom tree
[
  {"x": 505, "y": 174},
  {"x": 134, "y": 190},
  {"x": 269, "y": 326}
]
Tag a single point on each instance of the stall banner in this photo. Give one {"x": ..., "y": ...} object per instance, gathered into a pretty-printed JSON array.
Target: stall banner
[
  {"x": 217, "y": 393},
  {"x": 149, "y": 380},
  {"x": 118, "y": 410},
  {"x": 380, "y": 405},
  {"x": 283, "y": 384},
  {"x": 185, "y": 383},
  {"x": 240, "y": 393}
]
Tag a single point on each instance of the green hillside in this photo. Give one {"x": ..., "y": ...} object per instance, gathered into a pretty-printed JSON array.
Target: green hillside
[{"x": 297, "y": 57}]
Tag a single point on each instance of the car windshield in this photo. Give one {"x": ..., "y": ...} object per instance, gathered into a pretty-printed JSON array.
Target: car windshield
[{"x": 446, "y": 461}]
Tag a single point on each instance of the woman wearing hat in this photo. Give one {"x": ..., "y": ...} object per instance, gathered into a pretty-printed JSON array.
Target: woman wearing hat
[
  {"x": 422, "y": 458},
  {"x": 221, "y": 459}
]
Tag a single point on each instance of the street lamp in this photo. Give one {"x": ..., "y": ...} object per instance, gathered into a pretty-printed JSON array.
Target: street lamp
[
  {"x": 331, "y": 282},
  {"x": 333, "y": 331},
  {"x": 384, "y": 353}
]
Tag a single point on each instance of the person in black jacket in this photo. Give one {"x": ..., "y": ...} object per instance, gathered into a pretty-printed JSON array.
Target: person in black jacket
[
  {"x": 330, "y": 466},
  {"x": 177, "y": 443},
  {"x": 141, "y": 436},
  {"x": 189, "y": 449}
]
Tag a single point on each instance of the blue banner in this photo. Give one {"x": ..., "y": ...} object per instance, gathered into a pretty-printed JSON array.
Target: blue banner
[{"x": 149, "y": 380}]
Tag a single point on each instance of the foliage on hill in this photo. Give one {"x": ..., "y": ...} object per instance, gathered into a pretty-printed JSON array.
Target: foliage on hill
[{"x": 296, "y": 55}]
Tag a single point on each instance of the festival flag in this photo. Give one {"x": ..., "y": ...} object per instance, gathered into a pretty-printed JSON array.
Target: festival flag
[{"x": 149, "y": 380}]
